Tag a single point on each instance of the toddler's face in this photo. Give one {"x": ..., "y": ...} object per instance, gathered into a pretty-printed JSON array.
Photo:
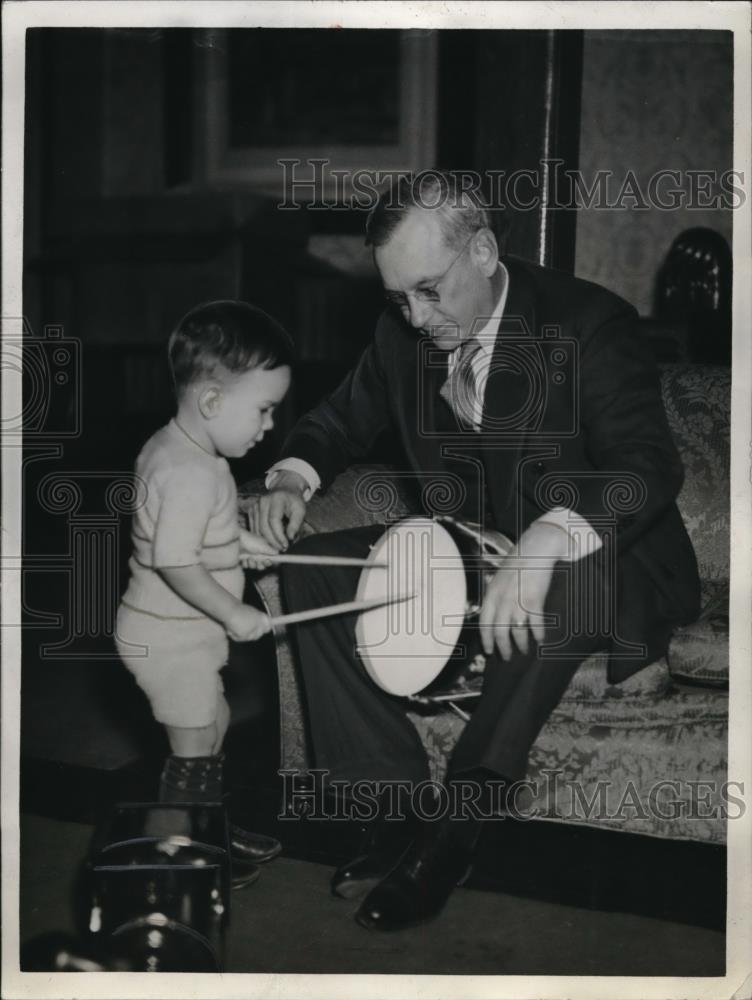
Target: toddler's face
[{"x": 246, "y": 409}]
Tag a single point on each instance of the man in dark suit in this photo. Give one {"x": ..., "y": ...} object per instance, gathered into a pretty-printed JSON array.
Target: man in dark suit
[{"x": 533, "y": 392}]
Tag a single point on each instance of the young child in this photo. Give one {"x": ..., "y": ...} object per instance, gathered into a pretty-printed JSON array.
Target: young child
[{"x": 230, "y": 364}]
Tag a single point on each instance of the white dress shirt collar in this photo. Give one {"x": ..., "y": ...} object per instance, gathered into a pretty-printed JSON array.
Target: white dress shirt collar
[{"x": 487, "y": 333}]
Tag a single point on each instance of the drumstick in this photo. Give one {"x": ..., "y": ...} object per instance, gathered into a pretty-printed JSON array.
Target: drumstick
[
  {"x": 292, "y": 558},
  {"x": 496, "y": 561},
  {"x": 501, "y": 544},
  {"x": 338, "y": 609}
]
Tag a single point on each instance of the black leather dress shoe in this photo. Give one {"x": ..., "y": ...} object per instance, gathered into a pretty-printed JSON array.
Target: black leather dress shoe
[
  {"x": 253, "y": 847},
  {"x": 383, "y": 844},
  {"x": 419, "y": 886}
]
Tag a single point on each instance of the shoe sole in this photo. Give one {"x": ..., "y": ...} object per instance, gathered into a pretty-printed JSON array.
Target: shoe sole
[
  {"x": 354, "y": 888},
  {"x": 253, "y": 859},
  {"x": 369, "y": 925},
  {"x": 244, "y": 882}
]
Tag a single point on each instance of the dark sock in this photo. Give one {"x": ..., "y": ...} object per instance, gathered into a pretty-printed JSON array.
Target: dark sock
[
  {"x": 475, "y": 795},
  {"x": 191, "y": 779},
  {"x": 479, "y": 793}
]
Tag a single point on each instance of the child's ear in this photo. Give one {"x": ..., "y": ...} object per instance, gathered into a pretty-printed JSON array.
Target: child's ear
[{"x": 210, "y": 401}]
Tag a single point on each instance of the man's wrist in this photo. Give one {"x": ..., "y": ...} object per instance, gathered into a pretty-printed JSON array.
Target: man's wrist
[
  {"x": 545, "y": 539},
  {"x": 302, "y": 468},
  {"x": 287, "y": 479}
]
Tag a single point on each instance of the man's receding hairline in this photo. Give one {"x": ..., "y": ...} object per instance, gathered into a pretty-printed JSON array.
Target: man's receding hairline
[{"x": 448, "y": 234}]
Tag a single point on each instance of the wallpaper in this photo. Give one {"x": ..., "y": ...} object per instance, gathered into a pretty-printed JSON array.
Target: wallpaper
[{"x": 652, "y": 101}]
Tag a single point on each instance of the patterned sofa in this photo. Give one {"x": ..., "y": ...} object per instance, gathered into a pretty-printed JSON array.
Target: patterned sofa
[{"x": 647, "y": 756}]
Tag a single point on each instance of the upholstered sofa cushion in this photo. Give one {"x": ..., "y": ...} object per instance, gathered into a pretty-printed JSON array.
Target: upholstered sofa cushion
[
  {"x": 360, "y": 496},
  {"x": 699, "y": 653},
  {"x": 650, "y": 765},
  {"x": 697, "y": 402}
]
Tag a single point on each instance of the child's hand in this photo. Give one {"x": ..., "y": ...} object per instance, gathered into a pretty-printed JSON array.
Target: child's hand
[
  {"x": 252, "y": 550},
  {"x": 246, "y": 623}
]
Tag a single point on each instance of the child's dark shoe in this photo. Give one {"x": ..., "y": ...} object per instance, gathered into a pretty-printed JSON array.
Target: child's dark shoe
[
  {"x": 254, "y": 847},
  {"x": 243, "y": 873}
]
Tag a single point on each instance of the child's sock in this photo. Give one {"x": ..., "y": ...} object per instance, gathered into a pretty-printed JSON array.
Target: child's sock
[
  {"x": 199, "y": 779},
  {"x": 192, "y": 779},
  {"x": 184, "y": 780}
]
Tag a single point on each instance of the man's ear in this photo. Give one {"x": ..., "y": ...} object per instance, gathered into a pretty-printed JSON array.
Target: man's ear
[
  {"x": 210, "y": 401},
  {"x": 486, "y": 251}
]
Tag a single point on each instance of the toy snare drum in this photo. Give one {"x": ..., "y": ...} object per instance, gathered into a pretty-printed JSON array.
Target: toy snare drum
[{"x": 444, "y": 564}]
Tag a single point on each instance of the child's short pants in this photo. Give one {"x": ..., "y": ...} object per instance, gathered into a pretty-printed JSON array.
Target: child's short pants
[{"x": 176, "y": 663}]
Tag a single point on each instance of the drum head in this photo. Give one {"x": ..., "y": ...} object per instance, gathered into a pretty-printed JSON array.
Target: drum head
[{"x": 405, "y": 645}]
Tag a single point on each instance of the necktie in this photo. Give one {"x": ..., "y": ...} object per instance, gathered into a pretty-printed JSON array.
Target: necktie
[{"x": 460, "y": 388}]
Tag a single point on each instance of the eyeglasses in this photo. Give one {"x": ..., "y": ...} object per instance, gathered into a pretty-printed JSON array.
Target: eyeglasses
[{"x": 424, "y": 293}]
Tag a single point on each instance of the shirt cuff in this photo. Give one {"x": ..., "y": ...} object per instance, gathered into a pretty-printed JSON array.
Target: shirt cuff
[
  {"x": 303, "y": 469},
  {"x": 584, "y": 539}
]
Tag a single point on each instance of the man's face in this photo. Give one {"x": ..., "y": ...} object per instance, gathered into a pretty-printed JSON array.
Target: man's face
[{"x": 443, "y": 292}]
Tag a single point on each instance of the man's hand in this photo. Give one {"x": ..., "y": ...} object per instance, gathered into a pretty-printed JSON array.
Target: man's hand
[
  {"x": 278, "y": 515},
  {"x": 246, "y": 623},
  {"x": 515, "y": 598}
]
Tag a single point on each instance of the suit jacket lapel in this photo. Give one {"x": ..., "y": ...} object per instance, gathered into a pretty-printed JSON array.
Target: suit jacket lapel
[
  {"x": 510, "y": 390},
  {"x": 429, "y": 372},
  {"x": 506, "y": 397}
]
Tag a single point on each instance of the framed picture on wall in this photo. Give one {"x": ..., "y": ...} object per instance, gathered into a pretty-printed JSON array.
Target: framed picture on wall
[{"x": 354, "y": 99}]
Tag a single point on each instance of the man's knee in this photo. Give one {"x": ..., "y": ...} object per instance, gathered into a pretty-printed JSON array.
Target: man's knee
[{"x": 578, "y": 606}]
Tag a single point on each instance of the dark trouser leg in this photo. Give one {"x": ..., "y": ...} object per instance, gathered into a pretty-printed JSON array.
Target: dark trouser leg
[
  {"x": 517, "y": 697},
  {"x": 520, "y": 694},
  {"x": 357, "y": 730}
]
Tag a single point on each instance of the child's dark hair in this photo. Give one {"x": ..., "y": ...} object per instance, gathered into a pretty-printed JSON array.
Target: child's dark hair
[{"x": 229, "y": 335}]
